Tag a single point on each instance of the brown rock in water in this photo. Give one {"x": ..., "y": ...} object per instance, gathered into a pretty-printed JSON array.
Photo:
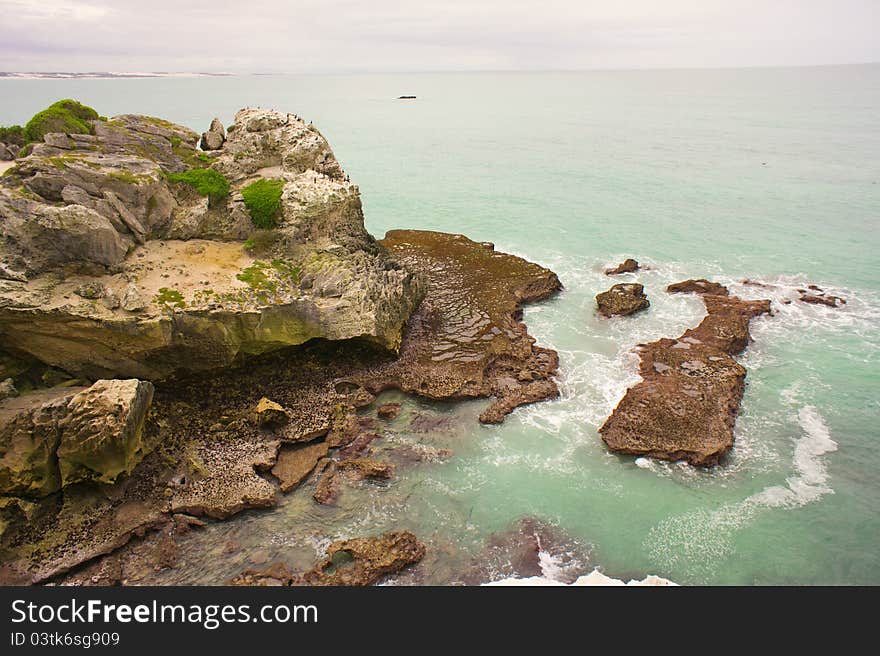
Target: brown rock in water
[
  {"x": 296, "y": 462},
  {"x": 269, "y": 414},
  {"x": 363, "y": 561},
  {"x": 388, "y": 410},
  {"x": 354, "y": 562},
  {"x": 686, "y": 405},
  {"x": 360, "y": 468},
  {"x": 359, "y": 447},
  {"x": 516, "y": 552},
  {"x": 629, "y": 265},
  {"x": 698, "y": 286},
  {"x": 328, "y": 486},
  {"x": 816, "y": 296},
  {"x": 622, "y": 300}
]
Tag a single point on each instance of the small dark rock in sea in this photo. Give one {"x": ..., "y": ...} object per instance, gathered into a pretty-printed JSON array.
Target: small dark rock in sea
[
  {"x": 699, "y": 286},
  {"x": 406, "y": 98},
  {"x": 622, "y": 299},
  {"x": 629, "y": 265}
]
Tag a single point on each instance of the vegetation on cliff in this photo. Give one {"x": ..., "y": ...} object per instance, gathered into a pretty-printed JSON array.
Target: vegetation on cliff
[
  {"x": 207, "y": 182},
  {"x": 263, "y": 200},
  {"x": 67, "y": 116}
]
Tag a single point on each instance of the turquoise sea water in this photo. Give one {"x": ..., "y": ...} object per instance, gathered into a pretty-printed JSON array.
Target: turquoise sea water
[{"x": 770, "y": 174}]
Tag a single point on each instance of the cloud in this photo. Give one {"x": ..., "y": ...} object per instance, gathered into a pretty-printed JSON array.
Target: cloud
[{"x": 391, "y": 35}]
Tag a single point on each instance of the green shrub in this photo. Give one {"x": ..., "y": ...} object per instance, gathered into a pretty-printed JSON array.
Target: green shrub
[
  {"x": 207, "y": 182},
  {"x": 67, "y": 116},
  {"x": 263, "y": 200},
  {"x": 12, "y": 136}
]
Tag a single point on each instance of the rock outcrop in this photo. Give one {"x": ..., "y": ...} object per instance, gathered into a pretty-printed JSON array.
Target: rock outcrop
[
  {"x": 622, "y": 300},
  {"x": 180, "y": 282},
  {"x": 466, "y": 339},
  {"x": 686, "y": 404},
  {"x": 66, "y": 435},
  {"x": 110, "y": 266}
]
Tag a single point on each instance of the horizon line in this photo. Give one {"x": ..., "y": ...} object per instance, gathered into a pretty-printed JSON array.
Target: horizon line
[{"x": 149, "y": 74}]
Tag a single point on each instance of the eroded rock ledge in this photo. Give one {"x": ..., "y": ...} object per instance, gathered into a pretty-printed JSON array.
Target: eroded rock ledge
[{"x": 691, "y": 389}]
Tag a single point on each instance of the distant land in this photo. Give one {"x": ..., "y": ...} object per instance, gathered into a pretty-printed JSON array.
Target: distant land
[{"x": 102, "y": 75}]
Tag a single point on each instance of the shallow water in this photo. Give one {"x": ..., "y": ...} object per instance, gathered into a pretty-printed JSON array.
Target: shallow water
[{"x": 768, "y": 174}]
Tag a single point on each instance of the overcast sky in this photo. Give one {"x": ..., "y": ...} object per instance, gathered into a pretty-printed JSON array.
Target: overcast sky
[{"x": 431, "y": 35}]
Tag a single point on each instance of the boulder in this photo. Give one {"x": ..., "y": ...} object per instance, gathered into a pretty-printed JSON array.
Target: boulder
[
  {"x": 629, "y": 265},
  {"x": 622, "y": 299},
  {"x": 6, "y": 153},
  {"x": 65, "y": 435}
]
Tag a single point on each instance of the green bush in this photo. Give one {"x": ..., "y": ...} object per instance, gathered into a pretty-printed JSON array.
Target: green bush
[
  {"x": 263, "y": 200},
  {"x": 207, "y": 182},
  {"x": 12, "y": 136},
  {"x": 67, "y": 116}
]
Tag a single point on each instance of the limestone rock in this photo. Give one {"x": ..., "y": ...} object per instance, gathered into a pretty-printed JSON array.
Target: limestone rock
[
  {"x": 100, "y": 208},
  {"x": 629, "y": 265},
  {"x": 101, "y": 431},
  {"x": 360, "y": 468},
  {"x": 215, "y": 136},
  {"x": 363, "y": 561},
  {"x": 6, "y": 153},
  {"x": 64, "y": 435},
  {"x": 622, "y": 299}
]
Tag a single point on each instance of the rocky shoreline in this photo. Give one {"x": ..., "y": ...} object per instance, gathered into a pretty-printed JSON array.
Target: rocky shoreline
[{"x": 256, "y": 344}]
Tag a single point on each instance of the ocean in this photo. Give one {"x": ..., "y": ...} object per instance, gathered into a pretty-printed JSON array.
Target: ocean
[{"x": 765, "y": 174}]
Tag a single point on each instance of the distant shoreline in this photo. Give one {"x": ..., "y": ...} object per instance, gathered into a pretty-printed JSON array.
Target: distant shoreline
[{"x": 101, "y": 75}]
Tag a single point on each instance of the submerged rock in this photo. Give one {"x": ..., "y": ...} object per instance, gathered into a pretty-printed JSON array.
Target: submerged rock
[
  {"x": 817, "y": 296},
  {"x": 622, "y": 299},
  {"x": 629, "y": 265},
  {"x": 691, "y": 389},
  {"x": 388, "y": 411}
]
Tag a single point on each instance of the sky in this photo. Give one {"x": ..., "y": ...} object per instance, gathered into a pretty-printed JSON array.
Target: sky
[{"x": 326, "y": 36}]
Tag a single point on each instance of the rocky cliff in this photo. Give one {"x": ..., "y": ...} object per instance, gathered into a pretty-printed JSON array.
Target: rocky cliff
[{"x": 128, "y": 252}]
